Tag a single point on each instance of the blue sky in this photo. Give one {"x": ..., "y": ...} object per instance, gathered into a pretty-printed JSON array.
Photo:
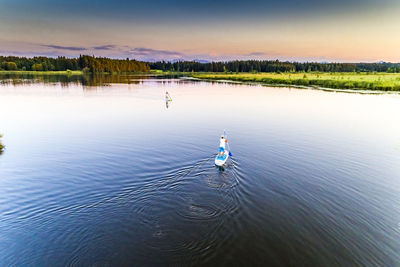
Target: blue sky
[{"x": 353, "y": 30}]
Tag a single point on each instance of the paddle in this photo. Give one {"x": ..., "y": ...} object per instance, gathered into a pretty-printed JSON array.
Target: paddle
[{"x": 230, "y": 154}]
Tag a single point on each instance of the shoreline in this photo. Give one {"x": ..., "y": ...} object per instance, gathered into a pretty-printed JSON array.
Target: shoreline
[
  {"x": 32, "y": 72},
  {"x": 376, "y": 82},
  {"x": 355, "y": 82},
  {"x": 66, "y": 72},
  {"x": 292, "y": 86}
]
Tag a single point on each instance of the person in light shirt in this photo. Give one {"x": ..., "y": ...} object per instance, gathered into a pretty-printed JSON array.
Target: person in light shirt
[{"x": 222, "y": 143}]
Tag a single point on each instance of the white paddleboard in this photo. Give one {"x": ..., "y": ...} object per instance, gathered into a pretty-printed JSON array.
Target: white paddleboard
[{"x": 220, "y": 160}]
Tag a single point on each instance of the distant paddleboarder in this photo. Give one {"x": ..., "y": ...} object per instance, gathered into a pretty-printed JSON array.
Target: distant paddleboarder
[
  {"x": 167, "y": 96},
  {"x": 167, "y": 99}
]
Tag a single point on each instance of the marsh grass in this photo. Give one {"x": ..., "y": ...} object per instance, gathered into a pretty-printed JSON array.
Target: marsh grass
[
  {"x": 66, "y": 72},
  {"x": 356, "y": 81}
]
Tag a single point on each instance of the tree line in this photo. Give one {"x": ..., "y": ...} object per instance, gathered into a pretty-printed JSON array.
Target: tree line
[
  {"x": 101, "y": 64},
  {"x": 273, "y": 66},
  {"x": 83, "y": 62}
]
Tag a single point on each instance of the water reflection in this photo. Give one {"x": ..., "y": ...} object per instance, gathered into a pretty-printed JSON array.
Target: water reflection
[
  {"x": 168, "y": 99},
  {"x": 87, "y": 80},
  {"x": 104, "y": 176},
  {"x": 66, "y": 80}
]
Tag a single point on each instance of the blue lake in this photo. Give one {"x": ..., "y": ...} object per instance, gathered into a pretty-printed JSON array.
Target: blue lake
[{"x": 109, "y": 175}]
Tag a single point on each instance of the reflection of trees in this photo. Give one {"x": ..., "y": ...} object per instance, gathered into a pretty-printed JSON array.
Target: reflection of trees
[
  {"x": 101, "y": 79},
  {"x": 66, "y": 80}
]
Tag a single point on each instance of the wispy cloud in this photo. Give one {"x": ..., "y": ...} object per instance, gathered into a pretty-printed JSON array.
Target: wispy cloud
[
  {"x": 104, "y": 47},
  {"x": 256, "y": 54},
  {"x": 70, "y": 48},
  {"x": 142, "y": 51},
  {"x": 147, "y": 53}
]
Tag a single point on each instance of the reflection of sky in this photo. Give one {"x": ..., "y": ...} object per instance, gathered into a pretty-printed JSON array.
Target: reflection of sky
[
  {"x": 296, "y": 30},
  {"x": 48, "y": 109},
  {"x": 305, "y": 163},
  {"x": 45, "y": 123}
]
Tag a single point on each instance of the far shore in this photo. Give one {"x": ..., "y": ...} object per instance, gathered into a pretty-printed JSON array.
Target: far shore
[
  {"x": 64, "y": 72},
  {"x": 374, "y": 81},
  {"x": 370, "y": 81},
  {"x": 69, "y": 72}
]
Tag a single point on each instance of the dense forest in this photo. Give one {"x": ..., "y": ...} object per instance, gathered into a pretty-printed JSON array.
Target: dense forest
[
  {"x": 83, "y": 62},
  {"x": 273, "y": 66},
  {"x": 101, "y": 64}
]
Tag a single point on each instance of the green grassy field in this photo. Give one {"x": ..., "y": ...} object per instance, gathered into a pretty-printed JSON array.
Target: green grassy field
[
  {"x": 67, "y": 72},
  {"x": 356, "y": 81}
]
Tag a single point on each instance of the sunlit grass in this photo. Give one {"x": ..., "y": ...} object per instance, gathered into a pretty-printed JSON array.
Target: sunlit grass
[
  {"x": 368, "y": 81},
  {"x": 66, "y": 72}
]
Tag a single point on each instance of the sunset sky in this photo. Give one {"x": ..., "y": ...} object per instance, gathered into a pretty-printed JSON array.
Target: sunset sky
[{"x": 295, "y": 30}]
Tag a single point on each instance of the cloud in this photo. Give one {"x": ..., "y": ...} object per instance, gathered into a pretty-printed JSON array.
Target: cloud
[
  {"x": 34, "y": 53},
  {"x": 141, "y": 51},
  {"x": 104, "y": 47},
  {"x": 70, "y": 48},
  {"x": 256, "y": 54}
]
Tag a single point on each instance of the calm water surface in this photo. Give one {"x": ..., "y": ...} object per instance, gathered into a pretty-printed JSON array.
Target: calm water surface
[{"x": 104, "y": 174}]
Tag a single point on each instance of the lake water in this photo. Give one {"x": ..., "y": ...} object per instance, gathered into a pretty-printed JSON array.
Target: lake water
[{"x": 105, "y": 174}]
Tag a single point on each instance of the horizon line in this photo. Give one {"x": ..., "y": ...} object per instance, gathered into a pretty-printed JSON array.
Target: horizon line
[{"x": 205, "y": 61}]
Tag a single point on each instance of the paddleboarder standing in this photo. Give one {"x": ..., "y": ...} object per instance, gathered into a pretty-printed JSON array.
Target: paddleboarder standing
[{"x": 222, "y": 143}]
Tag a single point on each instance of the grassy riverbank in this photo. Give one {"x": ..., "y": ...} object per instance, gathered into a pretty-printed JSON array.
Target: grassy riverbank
[
  {"x": 75, "y": 72},
  {"x": 25, "y": 72},
  {"x": 335, "y": 80}
]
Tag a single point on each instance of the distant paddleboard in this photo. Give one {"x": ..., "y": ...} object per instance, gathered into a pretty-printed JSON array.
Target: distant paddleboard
[{"x": 168, "y": 97}]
